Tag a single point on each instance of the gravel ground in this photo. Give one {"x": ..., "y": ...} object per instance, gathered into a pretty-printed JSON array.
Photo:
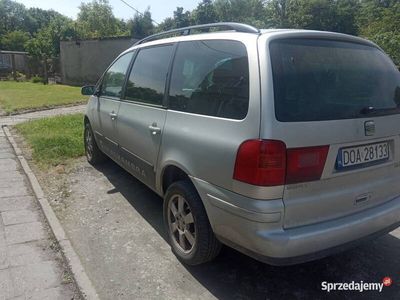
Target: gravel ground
[{"x": 115, "y": 225}]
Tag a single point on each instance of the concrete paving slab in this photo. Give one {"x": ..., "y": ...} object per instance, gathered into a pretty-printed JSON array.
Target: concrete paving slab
[
  {"x": 3, "y": 258},
  {"x": 51, "y": 294},
  {"x": 3, "y": 248},
  {"x": 3, "y": 251},
  {"x": 6, "y": 286},
  {"x": 11, "y": 191},
  {"x": 17, "y": 203},
  {"x": 19, "y": 216},
  {"x": 8, "y": 164},
  {"x": 22, "y": 233},
  {"x": 3, "y": 140},
  {"x": 4, "y": 146},
  {"x": 45, "y": 276},
  {"x": 29, "y": 253},
  {"x": 12, "y": 182},
  {"x": 1, "y": 230},
  {"x": 6, "y": 150},
  {"x": 6, "y": 155},
  {"x": 11, "y": 174}
]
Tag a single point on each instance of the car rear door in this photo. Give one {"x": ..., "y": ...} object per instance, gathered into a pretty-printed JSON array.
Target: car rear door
[
  {"x": 336, "y": 107},
  {"x": 142, "y": 114},
  {"x": 109, "y": 102}
]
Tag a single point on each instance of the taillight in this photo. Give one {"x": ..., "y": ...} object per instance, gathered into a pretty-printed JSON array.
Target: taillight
[
  {"x": 261, "y": 162},
  {"x": 305, "y": 164},
  {"x": 269, "y": 163}
]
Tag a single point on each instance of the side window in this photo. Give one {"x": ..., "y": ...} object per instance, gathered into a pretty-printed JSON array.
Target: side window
[
  {"x": 114, "y": 78},
  {"x": 147, "y": 79},
  {"x": 211, "y": 78}
]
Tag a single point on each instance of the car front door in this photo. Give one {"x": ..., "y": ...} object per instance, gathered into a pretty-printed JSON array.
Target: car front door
[
  {"x": 109, "y": 102},
  {"x": 142, "y": 115}
]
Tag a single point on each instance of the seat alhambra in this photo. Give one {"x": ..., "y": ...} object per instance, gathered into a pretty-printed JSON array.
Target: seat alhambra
[{"x": 283, "y": 144}]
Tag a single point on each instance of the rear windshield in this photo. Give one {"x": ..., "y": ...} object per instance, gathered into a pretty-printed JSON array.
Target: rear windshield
[{"x": 317, "y": 79}]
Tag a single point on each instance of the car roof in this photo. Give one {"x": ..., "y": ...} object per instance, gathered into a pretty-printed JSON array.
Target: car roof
[{"x": 256, "y": 33}]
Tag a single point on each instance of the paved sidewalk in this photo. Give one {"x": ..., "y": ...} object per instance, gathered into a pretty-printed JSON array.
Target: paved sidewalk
[
  {"x": 30, "y": 268},
  {"x": 12, "y": 120}
]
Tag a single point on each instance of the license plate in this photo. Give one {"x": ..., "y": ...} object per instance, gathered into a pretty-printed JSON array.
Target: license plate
[{"x": 362, "y": 155}]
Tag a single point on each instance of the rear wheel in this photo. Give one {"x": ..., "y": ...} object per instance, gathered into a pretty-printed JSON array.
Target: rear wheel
[
  {"x": 190, "y": 235},
  {"x": 93, "y": 153}
]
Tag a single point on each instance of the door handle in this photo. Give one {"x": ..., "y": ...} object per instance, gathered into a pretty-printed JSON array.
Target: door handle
[
  {"x": 154, "y": 129},
  {"x": 113, "y": 115}
]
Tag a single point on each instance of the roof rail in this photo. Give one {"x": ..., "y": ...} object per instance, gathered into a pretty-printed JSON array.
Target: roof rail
[{"x": 239, "y": 27}]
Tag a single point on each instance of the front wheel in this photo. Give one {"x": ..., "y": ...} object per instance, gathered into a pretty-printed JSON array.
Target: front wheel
[
  {"x": 93, "y": 153},
  {"x": 189, "y": 232}
]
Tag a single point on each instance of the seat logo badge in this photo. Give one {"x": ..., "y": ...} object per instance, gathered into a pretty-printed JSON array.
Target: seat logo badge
[{"x": 369, "y": 127}]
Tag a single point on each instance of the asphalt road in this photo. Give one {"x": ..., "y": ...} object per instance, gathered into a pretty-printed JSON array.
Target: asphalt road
[{"x": 115, "y": 225}]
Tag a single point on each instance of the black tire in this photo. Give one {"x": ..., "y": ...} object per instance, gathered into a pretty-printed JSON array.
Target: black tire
[
  {"x": 206, "y": 246},
  {"x": 93, "y": 154}
]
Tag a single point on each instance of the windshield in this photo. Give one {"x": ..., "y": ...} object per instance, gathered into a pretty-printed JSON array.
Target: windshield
[{"x": 319, "y": 79}]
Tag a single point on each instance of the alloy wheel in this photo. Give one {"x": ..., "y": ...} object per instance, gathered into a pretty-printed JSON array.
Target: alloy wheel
[
  {"x": 89, "y": 143},
  {"x": 181, "y": 224}
]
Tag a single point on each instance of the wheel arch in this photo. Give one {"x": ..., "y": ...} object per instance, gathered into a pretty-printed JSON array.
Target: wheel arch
[{"x": 172, "y": 173}]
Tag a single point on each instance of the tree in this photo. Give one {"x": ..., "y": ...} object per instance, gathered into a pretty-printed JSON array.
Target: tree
[
  {"x": 13, "y": 16},
  {"x": 96, "y": 19},
  {"x": 41, "y": 46},
  {"x": 46, "y": 42},
  {"x": 245, "y": 11},
  {"x": 41, "y": 18},
  {"x": 204, "y": 13},
  {"x": 14, "y": 40},
  {"x": 165, "y": 25},
  {"x": 328, "y": 15},
  {"x": 141, "y": 25},
  {"x": 16, "y": 17},
  {"x": 379, "y": 21},
  {"x": 181, "y": 18},
  {"x": 277, "y": 13}
]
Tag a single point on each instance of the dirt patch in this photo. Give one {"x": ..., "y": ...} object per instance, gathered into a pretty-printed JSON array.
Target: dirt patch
[{"x": 53, "y": 180}]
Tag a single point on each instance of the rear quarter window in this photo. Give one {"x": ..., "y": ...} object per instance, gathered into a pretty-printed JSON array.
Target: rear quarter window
[
  {"x": 320, "y": 79},
  {"x": 211, "y": 77}
]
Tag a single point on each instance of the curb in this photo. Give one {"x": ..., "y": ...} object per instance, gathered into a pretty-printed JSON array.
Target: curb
[{"x": 81, "y": 279}]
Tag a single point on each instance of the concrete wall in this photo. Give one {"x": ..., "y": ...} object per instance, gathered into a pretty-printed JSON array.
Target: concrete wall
[{"x": 83, "y": 62}]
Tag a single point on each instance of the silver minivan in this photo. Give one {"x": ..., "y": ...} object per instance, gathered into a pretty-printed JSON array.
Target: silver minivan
[{"x": 283, "y": 144}]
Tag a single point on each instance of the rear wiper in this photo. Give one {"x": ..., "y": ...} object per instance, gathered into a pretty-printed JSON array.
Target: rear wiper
[{"x": 370, "y": 110}]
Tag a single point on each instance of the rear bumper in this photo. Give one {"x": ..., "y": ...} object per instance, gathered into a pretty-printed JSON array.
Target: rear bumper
[{"x": 255, "y": 227}]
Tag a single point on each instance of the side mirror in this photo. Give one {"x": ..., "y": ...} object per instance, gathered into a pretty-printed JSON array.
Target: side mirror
[{"x": 88, "y": 90}]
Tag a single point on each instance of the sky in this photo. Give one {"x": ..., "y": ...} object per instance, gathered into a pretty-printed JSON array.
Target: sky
[{"x": 160, "y": 9}]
